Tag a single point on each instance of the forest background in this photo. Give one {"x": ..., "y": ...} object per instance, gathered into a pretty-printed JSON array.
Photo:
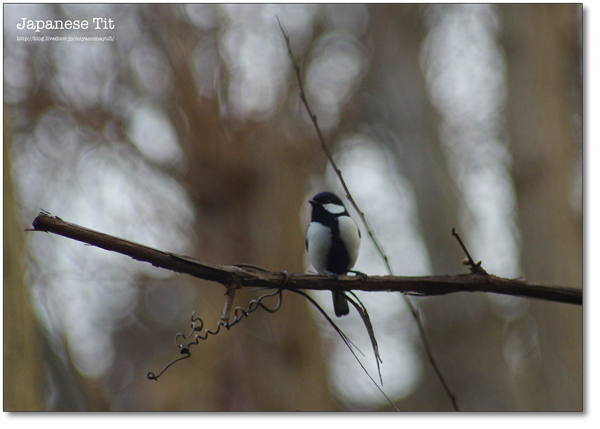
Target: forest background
[{"x": 186, "y": 133}]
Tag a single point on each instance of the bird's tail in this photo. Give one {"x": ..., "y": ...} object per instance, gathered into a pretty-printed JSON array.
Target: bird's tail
[{"x": 340, "y": 304}]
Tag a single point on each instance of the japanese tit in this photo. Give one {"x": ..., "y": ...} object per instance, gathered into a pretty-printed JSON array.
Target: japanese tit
[{"x": 332, "y": 242}]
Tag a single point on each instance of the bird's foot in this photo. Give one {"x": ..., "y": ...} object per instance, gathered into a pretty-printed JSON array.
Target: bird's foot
[
  {"x": 363, "y": 276},
  {"x": 334, "y": 275}
]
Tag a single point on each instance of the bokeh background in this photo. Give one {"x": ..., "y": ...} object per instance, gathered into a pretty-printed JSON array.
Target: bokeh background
[{"x": 186, "y": 133}]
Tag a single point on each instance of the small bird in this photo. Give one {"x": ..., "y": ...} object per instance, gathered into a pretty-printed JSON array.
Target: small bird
[{"x": 332, "y": 242}]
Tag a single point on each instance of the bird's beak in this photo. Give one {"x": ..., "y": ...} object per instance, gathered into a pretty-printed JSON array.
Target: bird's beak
[{"x": 313, "y": 202}]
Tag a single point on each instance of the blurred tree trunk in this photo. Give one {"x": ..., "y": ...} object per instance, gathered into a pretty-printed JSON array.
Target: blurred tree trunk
[
  {"x": 541, "y": 43},
  {"x": 399, "y": 101},
  {"x": 247, "y": 186},
  {"x": 24, "y": 384},
  {"x": 398, "y": 82}
]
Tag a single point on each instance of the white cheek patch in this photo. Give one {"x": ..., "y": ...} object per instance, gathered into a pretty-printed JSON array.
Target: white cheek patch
[
  {"x": 350, "y": 236},
  {"x": 334, "y": 208},
  {"x": 319, "y": 242}
]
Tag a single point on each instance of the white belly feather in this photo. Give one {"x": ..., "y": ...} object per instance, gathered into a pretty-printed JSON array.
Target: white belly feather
[
  {"x": 351, "y": 237},
  {"x": 319, "y": 242}
]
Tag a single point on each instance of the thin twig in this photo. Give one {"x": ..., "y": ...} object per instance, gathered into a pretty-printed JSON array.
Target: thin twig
[
  {"x": 338, "y": 172},
  {"x": 229, "y": 296},
  {"x": 346, "y": 340},
  {"x": 364, "y": 314},
  {"x": 412, "y": 308},
  {"x": 475, "y": 268}
]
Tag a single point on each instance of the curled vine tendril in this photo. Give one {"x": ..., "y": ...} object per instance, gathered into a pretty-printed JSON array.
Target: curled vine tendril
[{"x": 198, "y": 325}]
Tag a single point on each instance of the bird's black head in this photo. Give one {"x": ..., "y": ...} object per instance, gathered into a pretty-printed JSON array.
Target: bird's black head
[
  {"x": 326, "y": 198},
  {"x": 327, "y": 205}
]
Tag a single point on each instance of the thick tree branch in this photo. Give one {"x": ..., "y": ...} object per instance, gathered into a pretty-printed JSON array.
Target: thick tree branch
[{"x": 249, "y": 276}]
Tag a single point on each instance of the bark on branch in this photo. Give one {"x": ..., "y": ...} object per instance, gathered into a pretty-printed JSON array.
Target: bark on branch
[{"x": 250, "y": 276}]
